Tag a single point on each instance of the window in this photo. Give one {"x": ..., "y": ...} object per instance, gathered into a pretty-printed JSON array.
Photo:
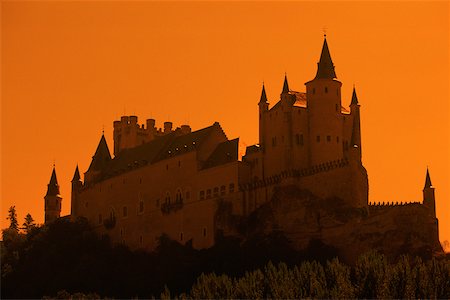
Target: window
[
  {"x": 141, "y": 207},
  {"x": 202, "y": 195},
  {"x": 125, "y": 211},
  {"x": 178, "y": 197},
  {"x": 223, "y": 190},
  {"x": 100, "y": 219},
  {"x": 326, "y": 90},
  {"x": 167, "y": 167},
  {"x": 204, "y": 231},
  {"x": 179, "y": 164},
  {"x": 231, "y": 188},
  {"x": 208, "y": 193},
  {"x": 318, "y": 138},
  {"x": 328, "y": 138},
  {"x": 140, "y": 180},
  {"x": 216, "y": 192},
  {"x": 121, "y": 232}
]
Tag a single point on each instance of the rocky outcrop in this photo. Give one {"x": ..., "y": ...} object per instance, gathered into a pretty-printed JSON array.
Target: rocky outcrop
[{"x": 303, "y": 217}]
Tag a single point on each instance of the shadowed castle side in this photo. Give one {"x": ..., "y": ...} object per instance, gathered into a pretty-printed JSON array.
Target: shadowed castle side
[{"x": 177, "y": 181}]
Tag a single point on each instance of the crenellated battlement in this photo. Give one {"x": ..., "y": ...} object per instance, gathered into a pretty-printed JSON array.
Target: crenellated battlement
[
  {"x": 295, "y": 173},
  {"x": 381, "y": 205},
  {"x": 128, "y": 133}
]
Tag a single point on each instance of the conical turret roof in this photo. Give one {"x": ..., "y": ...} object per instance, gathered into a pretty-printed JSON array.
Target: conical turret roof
[
  {"x": 263, "y": 98},
  {"x": 325, "y": 67},
  {"x": 354, "y": 98},
  {"x": 101, "y": 157},
  {"x": 76, "y": 175},
  {"x": 285, "y": 85},
  {"x": 53, "y": 187},
  {"x": 428, "y": 180}
]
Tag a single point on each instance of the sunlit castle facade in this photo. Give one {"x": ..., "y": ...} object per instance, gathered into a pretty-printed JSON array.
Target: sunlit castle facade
[{"x": 174, "y": 181}]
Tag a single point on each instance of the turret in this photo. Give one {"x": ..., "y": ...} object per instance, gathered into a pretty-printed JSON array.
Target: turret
[
  {"x": 77, "y": 184},
  {"x": 52, "y": 199},
  {"x": 263, "y": 108},
  {"x": 355, "y": 142},
  {"x": 324, "y": 112},
  {"x": 428, "y": 195}
]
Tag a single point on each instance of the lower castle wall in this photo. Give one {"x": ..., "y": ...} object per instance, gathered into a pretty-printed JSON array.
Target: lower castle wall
[{"x": 152, "y": 185}]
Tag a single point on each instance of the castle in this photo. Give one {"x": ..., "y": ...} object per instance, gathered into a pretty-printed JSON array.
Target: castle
[{"x": 172, "y": 181}]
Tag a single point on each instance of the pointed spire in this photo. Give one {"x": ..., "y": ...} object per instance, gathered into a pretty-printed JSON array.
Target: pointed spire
[
  {"x": 325, "y": 67},
  {"x": 428, "y": 180},
  {"x": 76, "y": 175},
  {"x": 263, "y": 95},
  {"x": 101, "y": 156},
  {"x": 53, "y": 187},
  {"x": 285, "y": 85},
  {"x": 354, "y": 97}
]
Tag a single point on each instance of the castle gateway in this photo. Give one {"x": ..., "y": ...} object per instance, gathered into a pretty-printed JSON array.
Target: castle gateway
[{"x": 175, "y": 181}]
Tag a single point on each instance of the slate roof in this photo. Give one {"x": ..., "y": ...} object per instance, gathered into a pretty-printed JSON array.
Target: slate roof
[
  {"x": 325, "y": 67},
  {"x": 428, "y": 180},
  {"x": 159, "y": 149},
  {"x": 101, "y": 157},
  {"x": 53, "y": 187},
  {"x": 224, "y": 153}
]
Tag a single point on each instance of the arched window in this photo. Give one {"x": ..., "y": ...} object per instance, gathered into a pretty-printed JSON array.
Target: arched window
[{"x": 179, "y": 197}]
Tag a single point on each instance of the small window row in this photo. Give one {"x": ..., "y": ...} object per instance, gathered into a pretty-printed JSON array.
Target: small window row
[{"x": 215, "y": 192}]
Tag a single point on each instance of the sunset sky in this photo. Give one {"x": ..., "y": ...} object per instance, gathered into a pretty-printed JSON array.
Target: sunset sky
[{"x": 69, "y": 69}]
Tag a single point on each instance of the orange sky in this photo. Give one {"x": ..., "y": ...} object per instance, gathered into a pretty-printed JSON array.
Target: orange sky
[{"x": 70, "y": 68}]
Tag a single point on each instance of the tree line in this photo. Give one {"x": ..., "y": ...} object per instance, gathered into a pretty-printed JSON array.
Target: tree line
[{"x": 67, "y": 259}]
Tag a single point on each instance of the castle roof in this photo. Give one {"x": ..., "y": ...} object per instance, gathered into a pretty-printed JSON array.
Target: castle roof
[
  {"x": 161, "y": 148},
  {"x": 285, "y": 85},
  {"x": 76, "y": 175},
  {"x": 101, "y": 156},
  {"x": 428, "y": 180},
  {"x": 53, "y": 187},
  {"x": 263, "y": 98},
  {"x": 354, "y": 97},
  {"x": 224, "y": 153},
  {"x": 325, "y": 67}
]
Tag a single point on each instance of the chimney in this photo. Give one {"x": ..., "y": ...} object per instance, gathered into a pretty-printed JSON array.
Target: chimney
[
  {"x": 167, "y": 127},
  {"x": 185, "y": 129}
]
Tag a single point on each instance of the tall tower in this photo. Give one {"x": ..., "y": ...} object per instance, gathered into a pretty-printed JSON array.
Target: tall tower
[
  {"x": 324, "y": 112},
  {"x": 428, "y": 195},
  {"x": 52, "y": 199}
]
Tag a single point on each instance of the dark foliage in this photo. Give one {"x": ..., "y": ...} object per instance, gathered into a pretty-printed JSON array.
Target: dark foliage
[{"x": 67, "y": 258}]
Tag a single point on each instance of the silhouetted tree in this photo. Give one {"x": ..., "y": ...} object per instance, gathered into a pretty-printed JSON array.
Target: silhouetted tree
[
  {"x": 12, "y": 217},
  {"x": 29, "y": 224}
]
